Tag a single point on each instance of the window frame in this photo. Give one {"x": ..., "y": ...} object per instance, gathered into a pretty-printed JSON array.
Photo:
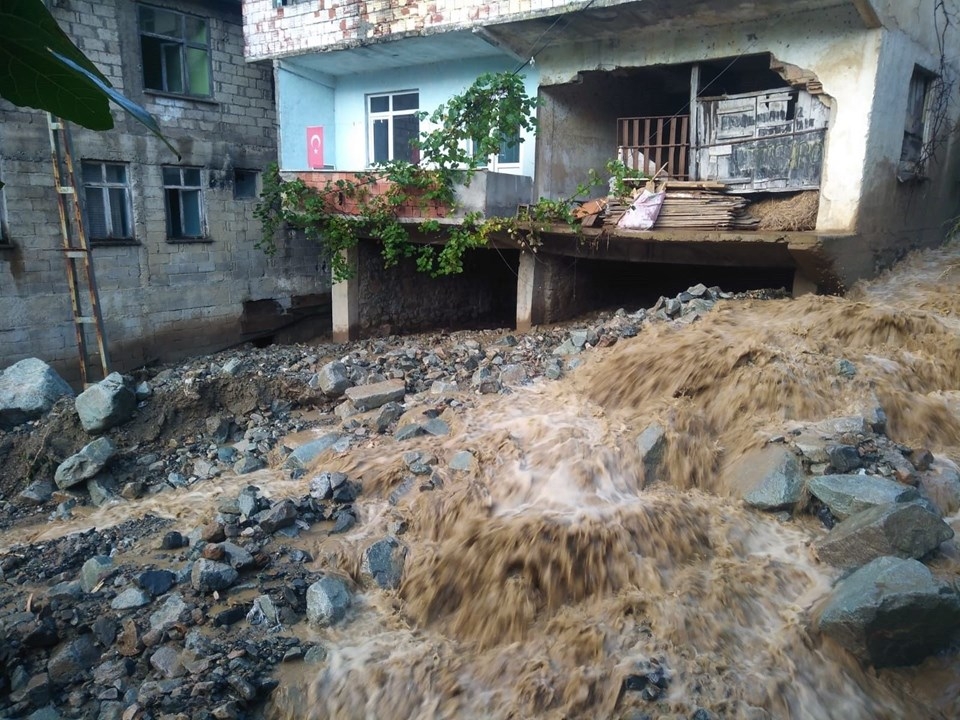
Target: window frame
[
  {"x": 5, "y": 241},
  {"x": 389, "y": 115},
  {"x": 184, "y": 43},
  {"x": 105, "y": 186},
  {"x": 180, "y": 189},
  {"x": 916, "y": 125}
]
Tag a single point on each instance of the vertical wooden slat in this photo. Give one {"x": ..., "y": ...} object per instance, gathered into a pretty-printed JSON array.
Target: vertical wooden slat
[
  {"x": 682, "y": 160},
  {"x": 659, "y": 153}
]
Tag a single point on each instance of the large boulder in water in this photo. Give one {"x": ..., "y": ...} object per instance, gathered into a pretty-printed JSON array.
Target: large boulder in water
[
  {"x": 768, "y": 479},
  {"x": 28, "y": 389},
  {"x": 891, "y": 612},
  {"x": 906, "y": 530},
  {"x": 847, "y": 495}
]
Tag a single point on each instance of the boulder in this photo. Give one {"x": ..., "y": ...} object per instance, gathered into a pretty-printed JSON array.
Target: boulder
[
  {"x": 905, "y": 530},
  {"x": 279, "y": 515},
  {"x": 370, "y": 397},
  {"x": 73, "y": 661},
  {"x": 209, "y": 575},
  {"x": 301, "y": 458},
  {"x": 85, "y": 464},
  {"x": 94, "y": 570},
  {"x": 28, "y": 389},
  {"x": 170, "y": 613},
  {"x": 107, "y": 404},
  {"x": 327, "y": 601},
  {"x": 464, "y": 461},
  {"x": 651, "y": 446},
  {"x": 129, "y": 599},
  {"x": 333, "y": 379},
  {"x": 383, "y": 562},
  {"x": 102, "y": 489},
  {"x": 890, "y": 612},
  {"x": 768, "y": 479},
  {"x": 847, "y": 495}
]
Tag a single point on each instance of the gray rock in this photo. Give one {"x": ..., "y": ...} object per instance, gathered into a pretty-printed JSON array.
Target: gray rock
[
  {"x": 94, "y": 570},
  {"x": 170, "y": 613},
  {"x": 485, "y": 382},
  {"x": 672, "y": 307},
  {"x": 107, "y": 404},
  {"x": 579, "y": 338},
  {"x": 156, "y": 582},
  {"x": 322, "y": 485},
  {"x": 772, "y": 479},
  {"x": 333, "y": 379},
  {"x": 651, "y": 446},
  {"x": 280, "y": 515},
  {"x": 236, "y": 556},
  {"x": 45, "y": 713},
  {"x": 248, "y": 464},
  {"x": 218, "y": 428},
  {"x": 844, "y": 458},
  {"x": 566, "y": 348},
  {"x": 232, "y": 366},
  {"x": 102, "y": 489},
  {"x": 513, "y": 375},
  {"x": 209, "y": 575},
  {"x": 890, "y": 612},
  {"x": 38, "y": 492},
  {"x": 315, "y": 655},
  {"x": 387, "y": 415},
  {"x": 845, "y": 368},
  {"x": 143, "y": 390},
  {"x": 463, "y": 460},
  {"x": 370, "y": 397},
  {"x": 167, "y": 662},
  {"x": 847, "y": 495},
  {"x": 303, "y": 456},
  {"x": 905, "y": 530},
  {"x": 436, "y": 427},
  {"x": 848, "y": 425},
  {"x": 327, "y": 601},
  {"x": 410, "y": 430},
  {"x": 249, "y": 501},
  {"x": 941, "y": 486},
  {"x": 444, "y": 387},
  {"x": 383, "y": 562},
  {"x": 130, "y": 598},
  {"x": 698, "y": 291},
  {"x": 85, "y": 464},
  {"x": 73, "y": 660},
  {"x": 28, "y": 389}
]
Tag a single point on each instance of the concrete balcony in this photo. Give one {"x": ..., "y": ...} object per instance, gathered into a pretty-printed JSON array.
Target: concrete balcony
[{"x": 493, "y": 194}]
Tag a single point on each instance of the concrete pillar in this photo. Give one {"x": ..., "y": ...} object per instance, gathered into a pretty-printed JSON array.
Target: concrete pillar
[
  {"x": 528, "y": 295},
  {"x": 345, "y": 297},
  {"x": 549, "y": 289}
]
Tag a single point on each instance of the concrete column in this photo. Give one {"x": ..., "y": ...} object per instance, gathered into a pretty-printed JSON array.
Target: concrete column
[
  {"x": 345, "y": 298},
  {"x": 529, "y": 292}
]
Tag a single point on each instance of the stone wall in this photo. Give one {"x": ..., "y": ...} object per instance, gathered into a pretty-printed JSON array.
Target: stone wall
[
  {"x": 161, "y": 298},
  {"x": 401, "y": 299},
  {"x": 306, "y": 26}
]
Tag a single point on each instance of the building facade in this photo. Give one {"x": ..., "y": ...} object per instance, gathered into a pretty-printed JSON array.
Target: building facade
[
  {"x": 845, "y": 99},
  {"x": 173, "y": 240}
]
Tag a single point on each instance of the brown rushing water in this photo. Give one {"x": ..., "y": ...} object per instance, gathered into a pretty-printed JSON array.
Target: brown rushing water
[{"x": 537, "y": 582}]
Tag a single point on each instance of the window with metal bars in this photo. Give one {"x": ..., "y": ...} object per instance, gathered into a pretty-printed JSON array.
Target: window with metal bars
[
  {"x": 106, "y": 201},
  {"x": 175, "y": 49},
  {"x": 183, "y": 195}
]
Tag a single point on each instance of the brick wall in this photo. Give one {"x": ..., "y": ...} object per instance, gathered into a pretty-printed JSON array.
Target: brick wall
[
  {"x": 311, "y": 25},
  {"x": 161, "y": 299}
]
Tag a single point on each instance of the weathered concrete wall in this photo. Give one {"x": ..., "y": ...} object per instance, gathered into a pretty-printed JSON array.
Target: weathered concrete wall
[
  {"x": 406, "y": 300},
  {"x": 160, "y": 298}
]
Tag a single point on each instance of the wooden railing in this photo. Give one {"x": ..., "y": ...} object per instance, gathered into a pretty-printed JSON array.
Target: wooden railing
[{"x": 655, "y": 144}]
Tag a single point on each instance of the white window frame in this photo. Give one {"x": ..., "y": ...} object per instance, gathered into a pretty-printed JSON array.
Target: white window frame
[
  {"x": 4, "y": 228},
  {"x": 183, "y": 43},
  {"x": 389, "y": 116},
  {"x": 181, "y": 188},
  {"x": 105, "y": 186}
]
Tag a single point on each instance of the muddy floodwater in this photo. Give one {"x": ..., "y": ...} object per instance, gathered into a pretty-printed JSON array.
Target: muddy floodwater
[{"x": 553, "y": 568}]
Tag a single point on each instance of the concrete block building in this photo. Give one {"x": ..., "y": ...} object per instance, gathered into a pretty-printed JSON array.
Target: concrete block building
[
  {"x": 846, "y": 100},
  {"x": 173, "y": 241}
]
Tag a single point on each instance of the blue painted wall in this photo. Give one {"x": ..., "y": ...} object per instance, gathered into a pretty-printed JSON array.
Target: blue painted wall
[
  {"x": 305, "y": 99},
  {"x": 303, "y": 102}
]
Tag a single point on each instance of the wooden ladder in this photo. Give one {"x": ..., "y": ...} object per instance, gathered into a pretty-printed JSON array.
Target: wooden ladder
[{"x": 84, "y": 298}]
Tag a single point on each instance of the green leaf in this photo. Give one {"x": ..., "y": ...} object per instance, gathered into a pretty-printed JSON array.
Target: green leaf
[
  {"x": 31, "y": 76},
  {"x": 137, "y": 112}
]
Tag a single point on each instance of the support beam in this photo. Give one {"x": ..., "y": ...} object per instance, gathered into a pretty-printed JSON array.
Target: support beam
[
  {"x": 868, "y": 14},
  {"x": 550, "y": 289},
  {"x": 529, "y": 292},
  {"x": 345, "y": 297}
]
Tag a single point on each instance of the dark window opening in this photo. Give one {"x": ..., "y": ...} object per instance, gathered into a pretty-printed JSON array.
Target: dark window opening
[
  {"x": 245, "y": 184},
  {"x": 912, "y": 153},
  {"x": 175, "y": 50},
  {"x": 106, "y": 196},
  {"x": 184, "y": 203}
]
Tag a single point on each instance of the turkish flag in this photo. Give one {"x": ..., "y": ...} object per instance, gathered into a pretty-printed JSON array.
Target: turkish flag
[{"x": 315, "y": 147}]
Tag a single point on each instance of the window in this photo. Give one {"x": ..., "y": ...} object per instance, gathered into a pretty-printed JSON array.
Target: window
[
  {"x": 245, "y": 184},
  {"x": 394, "y": 123},
  {"x": 106, "y": 193},
  {"x": 4, "y": 230},
  {"x": 181, "y": 190},
  {"x": 915, "y": 130},
  {"x": 510, "y": 150},
  {"x": 176, "y": 52}
]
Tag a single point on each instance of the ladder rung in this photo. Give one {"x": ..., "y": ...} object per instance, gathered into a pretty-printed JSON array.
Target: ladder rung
[
  {"x": 76, "y": 254},
  {"x": 64, "y": 190},
  {"x": 85, "y": 320}
]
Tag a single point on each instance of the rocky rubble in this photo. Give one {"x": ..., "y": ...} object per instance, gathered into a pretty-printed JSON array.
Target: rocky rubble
[{"x": 150, "y": 619}]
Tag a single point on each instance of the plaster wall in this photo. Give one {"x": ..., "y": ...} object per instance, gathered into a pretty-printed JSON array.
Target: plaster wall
[
  {"x": 834, "y": 45},
  {"x": 161, "y": 299},
  {"x": 305, "y": 98}
]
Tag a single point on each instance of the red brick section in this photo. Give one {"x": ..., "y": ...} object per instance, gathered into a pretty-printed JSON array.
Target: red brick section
[
  {"x": 319, "y": 179},
  {"x": 311, "y": 25}
]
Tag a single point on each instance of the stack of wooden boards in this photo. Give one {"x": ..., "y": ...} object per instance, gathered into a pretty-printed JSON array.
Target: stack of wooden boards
[{"x": 687, "y": 205}]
